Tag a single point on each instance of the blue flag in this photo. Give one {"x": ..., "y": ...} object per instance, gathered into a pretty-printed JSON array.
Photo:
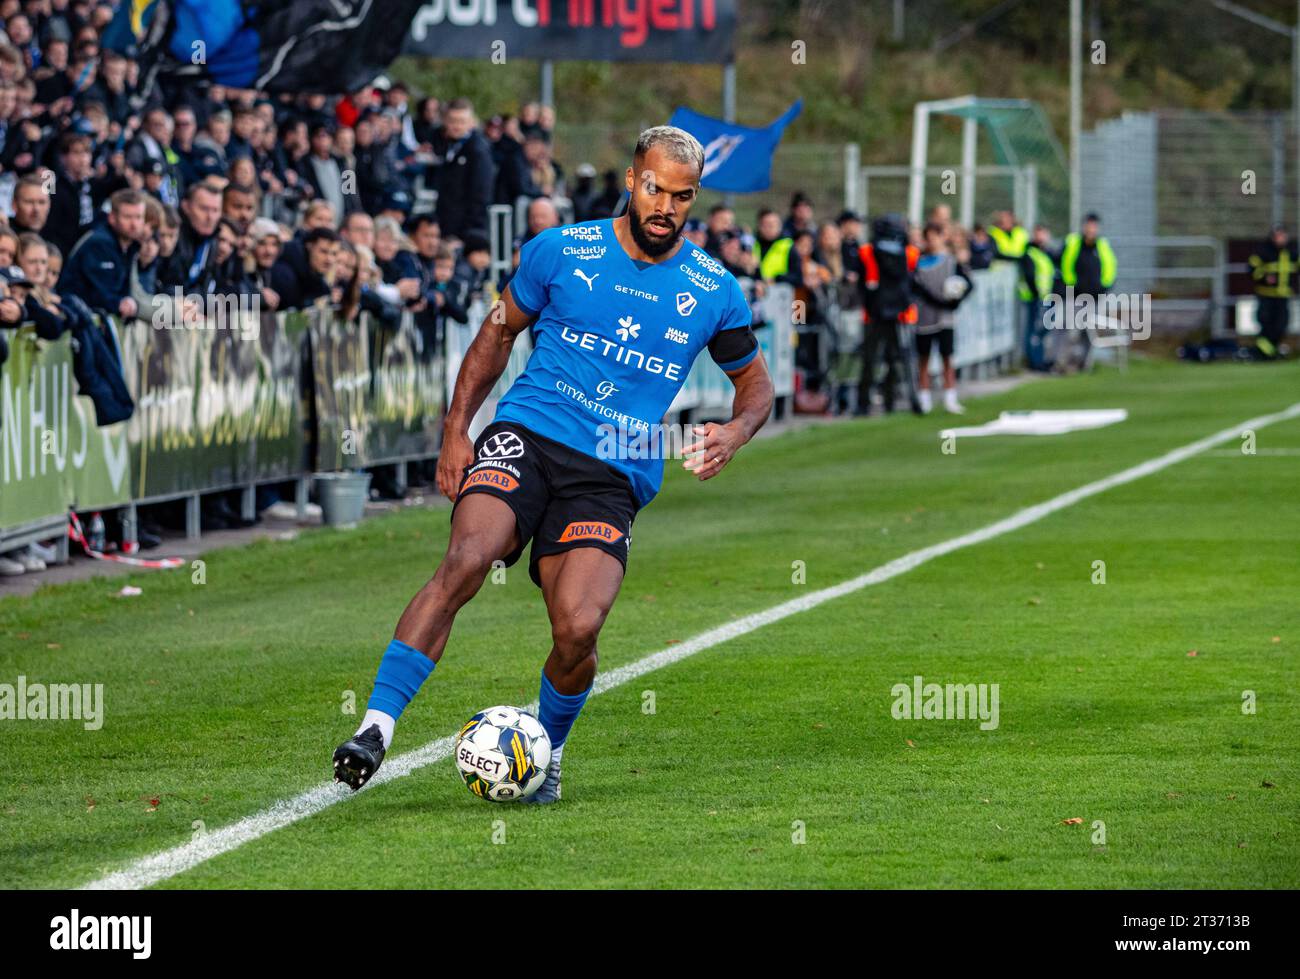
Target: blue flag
[
  {"x": 295, "y": 46},
  {"x": 736, "y": 158}
]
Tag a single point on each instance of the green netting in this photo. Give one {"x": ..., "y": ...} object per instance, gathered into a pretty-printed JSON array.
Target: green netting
[{"x": 1017, "y": 134}]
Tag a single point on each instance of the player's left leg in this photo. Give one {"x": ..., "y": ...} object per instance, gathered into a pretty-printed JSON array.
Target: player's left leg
[{"x": 579, "y": 587}]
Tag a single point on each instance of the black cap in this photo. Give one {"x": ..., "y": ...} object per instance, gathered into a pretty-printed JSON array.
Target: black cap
[{"x": 14, "y": 275}]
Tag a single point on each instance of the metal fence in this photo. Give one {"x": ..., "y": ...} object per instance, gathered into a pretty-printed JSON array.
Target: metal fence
[{"x": 1172, "y": 186}]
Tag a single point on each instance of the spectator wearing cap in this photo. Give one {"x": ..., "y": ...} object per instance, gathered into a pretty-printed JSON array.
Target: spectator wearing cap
[
  {"x": 721, "y": 221},
  {"x": 800, "y": 217},
  {"x": 12, "y": 312},
  {"x": 463, "y": 173},
  {"x": 850, "y": 225},
  {"x": 77, "y": 196},
  {"x": 192, "y": 265},
  {"x": 585, "y": 196},
  {"x": 31, "y": 205},
  {"x": 301, "y": 280},
  {"x": 474, "y": 263},
  {"x": 49, "y": 324},
  {"x": 99, "y": 268},
  {"x": 266, "y": 245},
  {"x": 695, "y": 231}
]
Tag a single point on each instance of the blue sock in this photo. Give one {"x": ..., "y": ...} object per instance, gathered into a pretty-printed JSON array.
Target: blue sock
[
  {"x": 558, "y": 711},
  {"x": 401, "y": 672}
]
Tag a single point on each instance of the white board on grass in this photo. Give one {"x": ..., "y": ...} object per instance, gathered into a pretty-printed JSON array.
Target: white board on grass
[{"x": 1042, "y": 422}]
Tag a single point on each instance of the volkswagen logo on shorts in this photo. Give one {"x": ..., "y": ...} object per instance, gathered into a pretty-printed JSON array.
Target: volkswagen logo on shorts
[
  {"x": 604, "y": 389},
  {"x": 685, "y": 303},
  {"x": 502, "y": 445}
]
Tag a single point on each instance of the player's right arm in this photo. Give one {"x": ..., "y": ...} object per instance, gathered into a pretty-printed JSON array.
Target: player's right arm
[{"x": 484, "y": 363}]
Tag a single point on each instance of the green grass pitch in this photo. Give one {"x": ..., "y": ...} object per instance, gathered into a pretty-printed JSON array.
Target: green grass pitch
[{"x": 772, "y": 760}]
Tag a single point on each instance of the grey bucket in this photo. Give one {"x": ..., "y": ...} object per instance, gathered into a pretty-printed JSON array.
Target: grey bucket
[{"x": 343, "y": 497}]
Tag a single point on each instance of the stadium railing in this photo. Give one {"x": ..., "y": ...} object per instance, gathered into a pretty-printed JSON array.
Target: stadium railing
[{"x": 258, "y": 399}]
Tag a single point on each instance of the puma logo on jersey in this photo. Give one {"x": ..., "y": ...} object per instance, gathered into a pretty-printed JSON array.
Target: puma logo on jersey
[{"x": 589, "y": 281}]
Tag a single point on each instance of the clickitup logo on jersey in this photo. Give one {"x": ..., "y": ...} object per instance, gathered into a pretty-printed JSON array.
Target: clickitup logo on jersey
[
  {"x": 699, "y": 278},
  {"x": 622, "y": 355}
]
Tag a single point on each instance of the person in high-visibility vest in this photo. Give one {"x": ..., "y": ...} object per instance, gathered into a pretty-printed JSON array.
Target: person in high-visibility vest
[
  {"x": 1274, "y": 269},
  {"x": 1088, "y": 268},
  {"x": 1087, "y": 260},
  {"x": 1038, "y": 282},
  {"x": 1009, "y": 238},
  {"x": 771, "y": 250}
]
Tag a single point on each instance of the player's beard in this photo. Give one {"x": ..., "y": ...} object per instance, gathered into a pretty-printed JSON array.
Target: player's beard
[{"x": 654, "y": 247}]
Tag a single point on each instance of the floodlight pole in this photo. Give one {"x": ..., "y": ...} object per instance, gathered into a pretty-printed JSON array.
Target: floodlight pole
[
  {"x": 1076, "y": 112},
  {"x": 548, "y": 82},
  {"x": 729, "y": 107}
]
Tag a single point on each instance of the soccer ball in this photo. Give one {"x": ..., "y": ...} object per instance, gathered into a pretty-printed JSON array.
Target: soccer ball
[
  {"x": 954, "y": 287},
  {"x": 502, "y": 754}
]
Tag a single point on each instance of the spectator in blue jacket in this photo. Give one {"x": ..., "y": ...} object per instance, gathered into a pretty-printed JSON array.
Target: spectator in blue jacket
[
  {"x": 299, "y": 279},
  {"x": 99, "y": 268}
]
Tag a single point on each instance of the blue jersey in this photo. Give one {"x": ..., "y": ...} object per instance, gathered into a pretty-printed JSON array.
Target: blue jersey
[{"x": 614, "y": 340}]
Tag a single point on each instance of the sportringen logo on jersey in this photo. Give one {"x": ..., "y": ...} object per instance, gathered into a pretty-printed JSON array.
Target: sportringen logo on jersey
[
  {"x": 709, "y": 262},
  {"x": 585, "y": 253},
  {"x": 590, "y": 232},
  {"x": 622, "y": 355},
  {"x": 502, "y": 445}
]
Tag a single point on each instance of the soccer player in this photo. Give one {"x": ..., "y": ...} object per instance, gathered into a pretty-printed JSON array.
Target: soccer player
[{"x": 620, "y": 308}]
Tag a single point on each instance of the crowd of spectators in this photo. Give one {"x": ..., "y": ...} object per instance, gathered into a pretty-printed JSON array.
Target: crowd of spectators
[
  {"x": 117, "y": 200},
  {"x": 131, "y": 202}
]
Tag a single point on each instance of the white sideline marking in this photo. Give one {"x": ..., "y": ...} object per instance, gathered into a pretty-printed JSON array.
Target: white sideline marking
[{"x": 168, "y": 863}]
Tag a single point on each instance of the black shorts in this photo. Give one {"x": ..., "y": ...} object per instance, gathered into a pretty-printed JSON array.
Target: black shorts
[
  {"x": 924, "y": 341},
  {"x": 562, "y": 498}
]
